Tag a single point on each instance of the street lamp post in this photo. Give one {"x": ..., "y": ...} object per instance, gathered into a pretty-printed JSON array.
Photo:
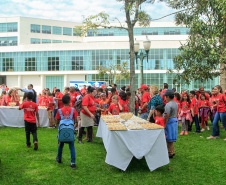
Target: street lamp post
[{"x": 147, "y": 45}]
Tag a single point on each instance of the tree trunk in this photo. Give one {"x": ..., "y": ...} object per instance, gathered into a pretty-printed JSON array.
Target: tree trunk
[{"x": 132, "y": 70}]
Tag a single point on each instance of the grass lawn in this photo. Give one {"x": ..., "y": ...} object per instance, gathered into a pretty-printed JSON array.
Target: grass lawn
[{"x": 197, "y": 161}]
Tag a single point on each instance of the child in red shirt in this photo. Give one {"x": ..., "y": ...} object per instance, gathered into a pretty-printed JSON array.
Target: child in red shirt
[
  {"x": 115, "y": 106},
  {"x": 159, "y": 120},
  {"x": 66, "y": 112},
  {"x": 204, "y": 106},
  {"x": 30, "y": 110},
  {"x": 186, "y": 108},
  {"x": 50, "y": 104},
  {"x": 43, "y": 100},
  {"x": 103, "y": 104}
]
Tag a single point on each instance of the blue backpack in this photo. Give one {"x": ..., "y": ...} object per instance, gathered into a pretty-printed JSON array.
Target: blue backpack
[{"x": 66, "y": 128}]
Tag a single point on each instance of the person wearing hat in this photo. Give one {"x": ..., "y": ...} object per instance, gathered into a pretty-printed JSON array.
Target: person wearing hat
[
  {"x": 144, "y": 102},
  {"x": 171, "y": 122}
]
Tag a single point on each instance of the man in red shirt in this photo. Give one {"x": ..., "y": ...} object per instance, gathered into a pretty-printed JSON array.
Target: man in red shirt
[
  {"x": 83, "y": 91},
  {"x": 30, "y": 110},
  {"x": 59, "y": 97},
  {"x": 195, "y": 110},
  {"x": 144, "y": 102},
  {"x": 165, "y": 87}
]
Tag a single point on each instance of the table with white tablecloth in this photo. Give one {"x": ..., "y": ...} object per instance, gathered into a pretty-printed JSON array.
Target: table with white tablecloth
[
  {"x": 12, "y": 117},
  {"x": 121, "y": 146}
]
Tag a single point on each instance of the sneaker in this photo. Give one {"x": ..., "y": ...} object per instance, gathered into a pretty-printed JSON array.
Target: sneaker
[
  {"x": 186, "y": 132},
  {"x": 211, "y": 137},
  {"x": 182, "y": 133},
  {"x": 28, "y": 146},
  {"x": 208, "y": 128},
  {"x": 73, "y": 166},
  {"x": 202, "y": 130},
  {"x": 35, "y": 145},
  {"x": 58, "y": 160}
]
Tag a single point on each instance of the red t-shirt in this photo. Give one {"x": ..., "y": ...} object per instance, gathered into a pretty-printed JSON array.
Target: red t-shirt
[
  {"x": 83, "y": 91},
  {"x": 185, "y": 106},
  {"x": 212, "y": 100},
  {"x": 60, "y": 103},
  {"x": 66, "y": 111},
  {"x": 43, "y": 101},
  {"x": 206, "y": 103},
  {"x": 30, "y": 108},
  {"x": 195, "y": 105},
  {"x": 178, "y": 103},
  {"x": 124, "y": 105},
  {"x": 8, "y": 100},
  {"x": 6, "y": 89},
  {"x": 114, "y": 109},
  {"x": 50, "y": 100},
  {"x": 89, "y": 102},
  {"x": 163, "y": 97},
  {"x": 73, "y": 98},
  {"x": 160, "y": 121},
  {"x": 145, "y": 99},
  {"x": 221, "y": 103},
  {"x": 97, "y": 100}
]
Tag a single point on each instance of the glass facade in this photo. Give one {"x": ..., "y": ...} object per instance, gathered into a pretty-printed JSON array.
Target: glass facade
[
  {"x": 71, "y": 60},
  {"x": 55, "y": 81},
  {"x": 57, "y": 30},
  {"x": 35, "y": 41},
  {"x": 67, "y": 31},
  {"x": 46, "y": 41},
  {"x": 8, "y": 41},
  {"x": 57, "y": 41},
  {"x": 35, "y": 28},
  {"x": 8, "y": 27},
  {"x": 140, "y": 31},
  {"x": 46, "y": 29}
]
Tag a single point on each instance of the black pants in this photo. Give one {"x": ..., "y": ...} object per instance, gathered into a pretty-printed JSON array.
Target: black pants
[
  {"x": 89, "y": 130},
  {"x": 30, "y": 128}
]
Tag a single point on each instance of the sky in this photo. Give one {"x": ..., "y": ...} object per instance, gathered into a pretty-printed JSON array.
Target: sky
[{"x": 75, "y": 10}]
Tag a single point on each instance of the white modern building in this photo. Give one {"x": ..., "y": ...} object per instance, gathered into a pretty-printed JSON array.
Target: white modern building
[{"x": 48, "y": 53}]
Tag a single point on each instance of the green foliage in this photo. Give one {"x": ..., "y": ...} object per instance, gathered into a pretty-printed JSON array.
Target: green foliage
[
  {"x": 203, "y": 159},
  {"x": 115, "y": 72},
  {"x": 205, "y": 50}
]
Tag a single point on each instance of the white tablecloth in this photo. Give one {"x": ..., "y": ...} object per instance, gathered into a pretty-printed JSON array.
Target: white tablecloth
[
  {"x": 121, "y": 146},
  {"x": 12, "y": 117}
]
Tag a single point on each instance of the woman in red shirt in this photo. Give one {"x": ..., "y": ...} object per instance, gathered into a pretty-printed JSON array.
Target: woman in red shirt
[
  {"x": 220, "y": 100},
  {"x": 10, "y": 97},
  {"x": 88, "y": 114}
]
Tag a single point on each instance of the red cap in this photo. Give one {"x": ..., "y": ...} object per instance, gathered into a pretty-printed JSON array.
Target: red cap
[
  {"x": 129, "y": 86},
  {"x": 201, "y": 88},
  {"x": 143, "y": 87}
]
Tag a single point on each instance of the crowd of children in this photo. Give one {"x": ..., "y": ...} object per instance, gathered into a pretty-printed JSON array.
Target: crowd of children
[{"x": 164, "y": 107}]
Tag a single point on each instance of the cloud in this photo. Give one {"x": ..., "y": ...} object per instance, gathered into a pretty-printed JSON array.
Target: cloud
[{"x": 67, "y": 10}]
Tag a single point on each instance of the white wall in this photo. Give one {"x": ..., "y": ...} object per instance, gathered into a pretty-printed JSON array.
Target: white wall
[
  {"x": 12, "y": 81},
  {"x": 75, "y": 78}
]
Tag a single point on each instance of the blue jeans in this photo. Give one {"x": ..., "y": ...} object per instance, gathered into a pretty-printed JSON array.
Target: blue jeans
[
  {"x": 136, "y": 111},
  {"x": 72, "y": 150},
  {"x": 218, "y": 116},
  {"x": 196, "y": 120},
  {"x": 144, "y": 115}
]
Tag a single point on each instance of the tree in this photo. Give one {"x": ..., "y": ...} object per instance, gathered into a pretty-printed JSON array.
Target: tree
[
  {"x": 205, "y": 49},
  {"x": 114, "y": 72},
  {"x": 134, "y": 14}
]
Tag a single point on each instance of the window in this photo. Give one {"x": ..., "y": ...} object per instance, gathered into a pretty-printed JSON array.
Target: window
[
  {"x": 57, "y": 41},
  {"x": 30, "y": 64},
  {"x": 166, "y": 32},
  {"x": 111, "y": 33},
  {"x": 53, "y": 63},
  {"x": 35, "y": 41},
  {"x": 77, "y": 63},
  {"x": 8, "y": 41},
  {"x": 75, "y": 33},
  {"x": 57, "y": 30},
  {"x": 46, "y": 29},
  {"x": 67, "y": 41},
  {"x": 99, "y": 33},
  {"x": 8, "y": 27},
  {"x": 67, "y": 31},
  {"x": 35, "y": 28},
  {"x": 7, "y": 64},
  {"x": 144, "y": 32},
  {"x": 90, "y": 33},
  {"x": 46, "y": 41},
  {"x": 188, "y": 31}
]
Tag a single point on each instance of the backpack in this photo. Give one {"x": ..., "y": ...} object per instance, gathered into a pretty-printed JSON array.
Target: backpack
[{"x": 66, "y": 128}]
